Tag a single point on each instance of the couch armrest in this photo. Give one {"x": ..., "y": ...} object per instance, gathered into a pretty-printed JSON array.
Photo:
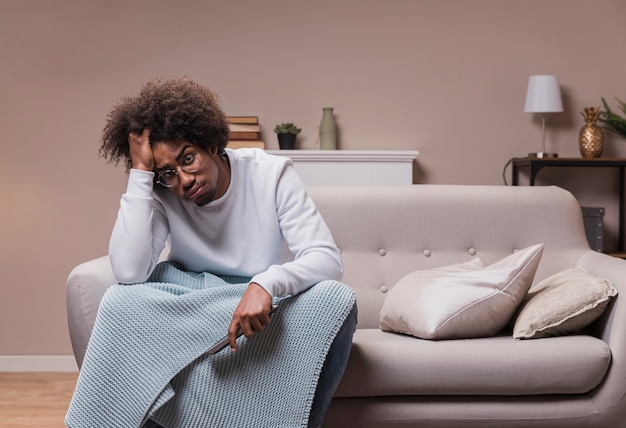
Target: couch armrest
[
  {"x": 611, "y": 327},
  {"x": 86, "y": 284}
]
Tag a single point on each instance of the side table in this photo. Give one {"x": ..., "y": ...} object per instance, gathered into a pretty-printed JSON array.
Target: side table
[{"x": 535, "y": 165}]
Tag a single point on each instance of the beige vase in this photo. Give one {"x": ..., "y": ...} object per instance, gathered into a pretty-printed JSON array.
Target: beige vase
[
  {"x": 591, "y": 137},
  {"x": 328, "y": 130}
]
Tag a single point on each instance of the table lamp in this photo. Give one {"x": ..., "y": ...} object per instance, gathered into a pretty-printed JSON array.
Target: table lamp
[{"x": 543, "y": 96}]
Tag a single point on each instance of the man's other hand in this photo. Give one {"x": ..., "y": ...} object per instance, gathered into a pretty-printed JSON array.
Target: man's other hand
[{"x": 251, "y": 315}]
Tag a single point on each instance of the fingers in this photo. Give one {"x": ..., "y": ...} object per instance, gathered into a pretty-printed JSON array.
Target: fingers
[
  {"x": 140, "y": 150},
  {"x": 136, "y": 139},
  {"x": 143, "y": 138},
  {"x": 233, "y": 333},
  {"x": 251, "y": 315},
  {"x": 254, "y": 325},
  {"x": 248, "y": 325}
]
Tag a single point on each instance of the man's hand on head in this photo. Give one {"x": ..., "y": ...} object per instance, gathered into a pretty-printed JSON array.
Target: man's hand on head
[
  {"x": 141, "y": 155},
  {"x": 251, "y": 315}
]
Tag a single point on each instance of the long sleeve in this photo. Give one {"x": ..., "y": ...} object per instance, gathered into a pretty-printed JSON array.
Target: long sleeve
[
  {"x": 316, "y": 257},
  {"x": 265, "y": 227},
  {"x": 139, "y": 233}
]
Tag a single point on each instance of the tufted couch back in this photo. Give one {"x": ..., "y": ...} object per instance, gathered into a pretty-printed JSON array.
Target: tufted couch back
[{"x": 386, "y": 232}]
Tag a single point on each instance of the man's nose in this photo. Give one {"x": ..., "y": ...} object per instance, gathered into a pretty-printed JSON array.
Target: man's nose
[{"x": 185, "y": 178}]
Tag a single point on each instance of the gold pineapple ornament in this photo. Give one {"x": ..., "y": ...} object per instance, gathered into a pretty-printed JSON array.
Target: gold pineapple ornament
[{"x": 591, "y": 138}]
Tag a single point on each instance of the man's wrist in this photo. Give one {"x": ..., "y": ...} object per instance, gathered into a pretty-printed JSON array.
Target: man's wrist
[
  {"x": 256, "y": 284},
  {"x": 140, "y": 183}
]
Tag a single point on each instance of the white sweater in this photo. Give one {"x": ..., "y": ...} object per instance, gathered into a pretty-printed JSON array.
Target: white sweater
[{"x": 265, "y": 226}]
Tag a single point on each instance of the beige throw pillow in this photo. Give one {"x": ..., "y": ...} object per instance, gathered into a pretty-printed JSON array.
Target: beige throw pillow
[
  {"x": 460, "y": 301},
  {"x": 563, "y": 304}
]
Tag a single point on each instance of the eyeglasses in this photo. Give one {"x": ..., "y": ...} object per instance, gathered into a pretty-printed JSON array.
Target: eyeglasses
[{"x": 169, "y": 177}]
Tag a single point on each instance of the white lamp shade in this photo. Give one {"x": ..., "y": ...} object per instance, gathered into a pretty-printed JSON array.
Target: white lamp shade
[{"x": 543, "y": 95}]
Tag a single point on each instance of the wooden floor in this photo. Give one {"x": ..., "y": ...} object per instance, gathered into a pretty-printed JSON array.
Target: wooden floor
[{"x": 35, "y": 399}]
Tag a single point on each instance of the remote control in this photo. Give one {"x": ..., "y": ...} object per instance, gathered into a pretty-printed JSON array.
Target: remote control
[{"x": 223, "y": 342}]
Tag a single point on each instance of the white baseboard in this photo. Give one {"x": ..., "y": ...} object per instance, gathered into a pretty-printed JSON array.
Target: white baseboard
[{"x": 37, "y": 363}]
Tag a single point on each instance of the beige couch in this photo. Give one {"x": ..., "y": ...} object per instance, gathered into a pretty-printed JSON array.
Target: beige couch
[{"x": 395, "y": 380}]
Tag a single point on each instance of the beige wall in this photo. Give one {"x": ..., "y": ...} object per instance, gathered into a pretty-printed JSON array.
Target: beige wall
[{"x": 445, "y": 77}]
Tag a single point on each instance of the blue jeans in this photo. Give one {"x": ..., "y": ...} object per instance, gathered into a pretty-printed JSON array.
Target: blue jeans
[{"x": 333, "y": 369}]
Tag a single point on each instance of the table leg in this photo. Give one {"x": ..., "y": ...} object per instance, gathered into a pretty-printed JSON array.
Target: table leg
[
  {"x": 532, "y": 173},
  {"x": 620, "y": 229},
  {"x": 514, "y": 175}
]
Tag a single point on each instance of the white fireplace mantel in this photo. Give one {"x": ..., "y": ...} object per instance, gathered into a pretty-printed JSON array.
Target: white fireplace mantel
[{"x": 352, "y": 167}]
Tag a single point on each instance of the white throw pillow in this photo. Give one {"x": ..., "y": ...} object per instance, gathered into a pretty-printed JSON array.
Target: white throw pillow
[
  {"x": 460, "y": 301},
  {"x": 563, "y": 303}
]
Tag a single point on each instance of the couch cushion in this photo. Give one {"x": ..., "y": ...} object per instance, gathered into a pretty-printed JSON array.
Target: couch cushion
[
  {"x": 564, "y": 303},
  {"x": 460, "y": 301},
  {"x": 385, "y": 364}
]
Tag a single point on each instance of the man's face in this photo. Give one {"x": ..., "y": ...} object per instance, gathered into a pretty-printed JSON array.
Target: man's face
[{"x": 204, "y": 184}]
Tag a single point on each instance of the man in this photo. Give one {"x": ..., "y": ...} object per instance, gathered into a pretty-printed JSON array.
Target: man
[{"x": 227, "y": 212}]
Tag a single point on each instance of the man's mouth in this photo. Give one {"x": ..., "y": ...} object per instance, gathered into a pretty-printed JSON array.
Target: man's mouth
[{"x": 194, "y": 192}]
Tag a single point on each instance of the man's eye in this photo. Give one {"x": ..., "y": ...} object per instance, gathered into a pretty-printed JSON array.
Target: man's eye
[
  {"x": 168, "y": 174},
  {"x": 189, "y": 158}
]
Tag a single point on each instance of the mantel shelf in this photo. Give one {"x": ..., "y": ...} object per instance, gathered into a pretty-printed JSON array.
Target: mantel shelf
[
  {"x": 348, "y": 155},
  {"x": 352, "y": 167}
]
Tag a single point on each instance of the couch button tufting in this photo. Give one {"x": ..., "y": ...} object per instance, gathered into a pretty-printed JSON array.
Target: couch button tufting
[
  {"x": 472, "y": 251},
  {"x": 382, "y": 252},
  {"x": 426, "y": 253},
  {"x": 383, "y": 289}
]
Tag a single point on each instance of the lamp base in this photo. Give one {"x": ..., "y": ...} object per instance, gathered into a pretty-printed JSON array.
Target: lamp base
[{"x": 542, "y": 155}]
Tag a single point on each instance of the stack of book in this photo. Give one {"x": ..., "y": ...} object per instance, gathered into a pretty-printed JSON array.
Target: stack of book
[{"x": 245, "y": 131}]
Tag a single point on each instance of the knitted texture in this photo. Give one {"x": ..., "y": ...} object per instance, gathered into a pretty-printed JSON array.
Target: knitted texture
[{"x": 146, "y": 356}]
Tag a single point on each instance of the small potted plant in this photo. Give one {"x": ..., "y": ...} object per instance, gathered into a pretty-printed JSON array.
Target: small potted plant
[
  {"x": 287, "y": 133},
  {"x": 612, "y": 120}
]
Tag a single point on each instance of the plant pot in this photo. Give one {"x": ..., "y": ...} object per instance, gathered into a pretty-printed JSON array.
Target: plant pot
[{"x": 287, "y": 141}]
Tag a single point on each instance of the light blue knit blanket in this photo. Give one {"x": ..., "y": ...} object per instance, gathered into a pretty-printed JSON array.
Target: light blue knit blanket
[{"x": 146, "y": 355}]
